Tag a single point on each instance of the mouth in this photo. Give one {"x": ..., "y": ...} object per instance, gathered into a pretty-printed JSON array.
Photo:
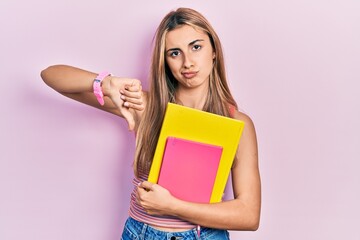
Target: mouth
[{"x": 189, "y": 75}]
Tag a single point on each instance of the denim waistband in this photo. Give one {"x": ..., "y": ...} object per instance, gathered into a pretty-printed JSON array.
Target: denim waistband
[
  {"x": 147, "y": 232},
  {"x": 138, "y": 230}
]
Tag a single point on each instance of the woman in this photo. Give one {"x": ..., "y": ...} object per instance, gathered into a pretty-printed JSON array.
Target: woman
[{"x": 188, "y": 69}]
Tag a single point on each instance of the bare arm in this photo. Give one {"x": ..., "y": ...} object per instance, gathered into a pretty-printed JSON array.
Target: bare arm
[
  {"x": 123, "y": 96},
  {"x": 241, "y": 213}
]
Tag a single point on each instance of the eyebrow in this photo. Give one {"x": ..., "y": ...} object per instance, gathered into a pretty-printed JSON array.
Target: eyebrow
[{"x": 191, "y": 43}]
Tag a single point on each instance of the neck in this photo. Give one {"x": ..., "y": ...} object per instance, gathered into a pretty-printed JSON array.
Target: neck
[{"x": 194, "y": 98}]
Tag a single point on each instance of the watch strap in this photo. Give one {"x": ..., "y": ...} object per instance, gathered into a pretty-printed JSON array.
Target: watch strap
[{"x": 97, "y": 86}]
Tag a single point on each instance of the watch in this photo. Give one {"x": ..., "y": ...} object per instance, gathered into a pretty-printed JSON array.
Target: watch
[{"x": 97, "y": 87}]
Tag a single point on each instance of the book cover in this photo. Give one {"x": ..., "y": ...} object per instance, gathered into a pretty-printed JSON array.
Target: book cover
[
  {"x": 189, "y": 168},
  {"x": 196, "y": 125}
]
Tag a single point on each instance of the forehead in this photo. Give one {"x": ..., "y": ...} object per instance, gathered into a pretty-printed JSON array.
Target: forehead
[{"x": 184, "y": 35}]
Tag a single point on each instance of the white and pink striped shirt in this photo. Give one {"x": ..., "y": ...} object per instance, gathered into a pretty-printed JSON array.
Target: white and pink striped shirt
[{"x": 138, "y": 213}]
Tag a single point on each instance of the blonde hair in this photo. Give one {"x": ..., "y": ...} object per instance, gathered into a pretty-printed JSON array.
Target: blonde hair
[{"x": 163, "y": 85}]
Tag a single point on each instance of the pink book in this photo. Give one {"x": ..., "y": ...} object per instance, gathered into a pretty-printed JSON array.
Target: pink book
[{"x": 189, "y": 168}]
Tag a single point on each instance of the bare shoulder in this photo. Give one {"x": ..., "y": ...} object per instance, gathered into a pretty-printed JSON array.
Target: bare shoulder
[
  {"x": 246, "y": 119},
  {"x": 247, "y": 150}
]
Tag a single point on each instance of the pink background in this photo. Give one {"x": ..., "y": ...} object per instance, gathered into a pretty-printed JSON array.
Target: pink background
[{"x": 293, "y": 66}]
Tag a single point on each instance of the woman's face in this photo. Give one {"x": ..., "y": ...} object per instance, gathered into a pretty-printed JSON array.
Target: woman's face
[{"x": 189, "y": 55}]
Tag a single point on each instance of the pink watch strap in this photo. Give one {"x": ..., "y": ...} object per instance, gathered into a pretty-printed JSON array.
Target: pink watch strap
[{"x": 97, "y": 87}]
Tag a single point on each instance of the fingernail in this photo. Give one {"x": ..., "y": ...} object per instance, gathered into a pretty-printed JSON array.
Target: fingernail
[
  {"x": 126, "y": 104},
  {"x": 122, "y": 97}
]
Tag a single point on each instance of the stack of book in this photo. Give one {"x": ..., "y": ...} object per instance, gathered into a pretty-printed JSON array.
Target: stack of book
[{"x": 194, "y": 153}]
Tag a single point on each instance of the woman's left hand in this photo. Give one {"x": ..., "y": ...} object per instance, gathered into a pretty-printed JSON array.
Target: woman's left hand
[{"x": 155, "y": 199}]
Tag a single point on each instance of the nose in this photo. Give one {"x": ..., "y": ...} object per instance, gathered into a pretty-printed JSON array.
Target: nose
[{"x": 188, "y": 62}]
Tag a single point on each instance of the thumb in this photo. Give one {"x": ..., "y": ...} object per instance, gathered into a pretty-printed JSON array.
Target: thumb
[
  {"x": 123, "y": 110},
  {"x": 129, "y": 118},
  {"x": 146, "y": 185}
]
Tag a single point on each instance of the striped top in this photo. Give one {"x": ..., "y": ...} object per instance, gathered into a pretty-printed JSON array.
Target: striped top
[{"x": 138, "y": 213}]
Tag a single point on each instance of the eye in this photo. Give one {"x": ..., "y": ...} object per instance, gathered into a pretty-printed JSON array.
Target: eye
[
  {"x": 196, "y": 47},
  {"x": 174, "y": 53}
]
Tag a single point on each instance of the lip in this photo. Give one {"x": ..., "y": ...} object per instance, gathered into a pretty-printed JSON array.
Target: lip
[{"x": 189, "y": 75}]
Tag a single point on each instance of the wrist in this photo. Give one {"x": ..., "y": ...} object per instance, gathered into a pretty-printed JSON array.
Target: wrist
[
  {"x": 174, "y": 207},
  {"x": 97, "y": 86}
]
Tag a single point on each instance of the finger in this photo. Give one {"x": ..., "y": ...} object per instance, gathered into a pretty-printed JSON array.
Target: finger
[
  {"x": 135, "y": 103},
  {"x": 131, "y": 82},
  {"x": 137, "y": 196},
  {"x": 137, "y": 94},
  {"x": 147, "y": 185},
  {"x": 137, "y": 107},
  {"x": 131, "y": 99},
  {"x": 140, "y": 191},
  {"x": 134, "y": 88}
]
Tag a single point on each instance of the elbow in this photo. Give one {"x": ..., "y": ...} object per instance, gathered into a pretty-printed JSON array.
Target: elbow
[
  {"x": 254, "y": 221},
  {"x": 50, "y": 75},
  {"x": 45, "y": 75},
  {"x": 250, "y": 223},
  {"x": 254, "y": 226}
]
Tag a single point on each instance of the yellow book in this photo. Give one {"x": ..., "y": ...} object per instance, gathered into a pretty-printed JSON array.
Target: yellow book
[{"x": 195, "y": 125}]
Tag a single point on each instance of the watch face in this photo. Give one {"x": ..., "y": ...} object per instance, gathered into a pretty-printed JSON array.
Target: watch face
[{"x": 96, "y": 86}]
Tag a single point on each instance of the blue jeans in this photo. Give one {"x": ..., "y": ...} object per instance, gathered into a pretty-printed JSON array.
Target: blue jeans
[{"x": 135, "y": 230}]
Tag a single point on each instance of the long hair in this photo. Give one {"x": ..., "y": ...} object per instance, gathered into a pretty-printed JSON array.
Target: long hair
[{"x": 163, "y": 85}]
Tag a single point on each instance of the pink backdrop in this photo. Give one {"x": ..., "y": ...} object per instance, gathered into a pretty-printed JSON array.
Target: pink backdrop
[{"x": 65, "y": 170}]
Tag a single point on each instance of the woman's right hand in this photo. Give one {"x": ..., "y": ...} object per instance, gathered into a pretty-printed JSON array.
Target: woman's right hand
[
  {"x": 123, "y": 96},
  {"x": 127, "y": 95}
]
